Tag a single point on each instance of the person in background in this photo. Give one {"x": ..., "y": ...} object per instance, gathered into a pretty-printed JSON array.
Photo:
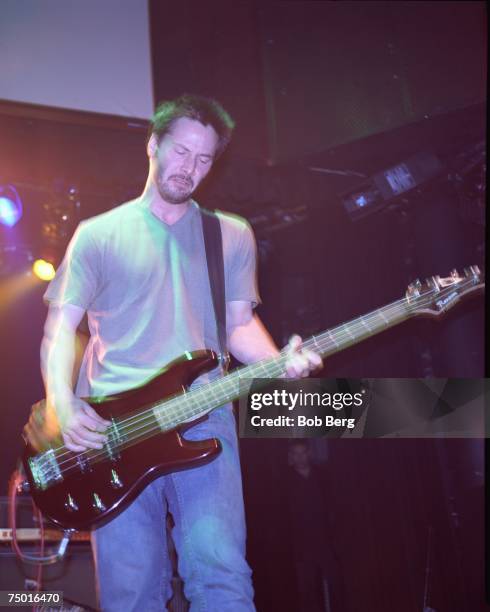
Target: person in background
[{"x": 310, "y": 526}]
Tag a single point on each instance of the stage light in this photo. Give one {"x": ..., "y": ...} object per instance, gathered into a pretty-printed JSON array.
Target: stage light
[
  {"x": 43, "y": 269},
  {"x": 10, "y": 206},
  {"x": 7, "y": 212}
]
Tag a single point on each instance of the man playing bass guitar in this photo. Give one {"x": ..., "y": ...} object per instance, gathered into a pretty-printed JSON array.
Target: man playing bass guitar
[{"x": 139, "y": 272}]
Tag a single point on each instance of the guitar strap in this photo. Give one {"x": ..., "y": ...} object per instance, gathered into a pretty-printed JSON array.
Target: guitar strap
[{"x": 213, "y": 244}]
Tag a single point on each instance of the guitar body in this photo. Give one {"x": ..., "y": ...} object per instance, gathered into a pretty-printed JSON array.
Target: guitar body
[{"x": 96, "y": 491}]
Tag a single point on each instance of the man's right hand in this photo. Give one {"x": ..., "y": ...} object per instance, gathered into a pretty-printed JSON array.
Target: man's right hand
[{"x": 81, "y": 427}]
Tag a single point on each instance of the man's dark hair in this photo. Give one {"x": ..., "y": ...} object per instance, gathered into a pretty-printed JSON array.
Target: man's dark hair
[{"x": 199, "y": 108}]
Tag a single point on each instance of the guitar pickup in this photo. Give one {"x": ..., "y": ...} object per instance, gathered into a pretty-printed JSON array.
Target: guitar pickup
[
  {"x": 83, "y": 463},
  {"x": 114, "y": 441}
]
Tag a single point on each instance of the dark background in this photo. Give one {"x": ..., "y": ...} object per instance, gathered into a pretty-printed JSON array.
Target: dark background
[{"x": 349, "y": 87}]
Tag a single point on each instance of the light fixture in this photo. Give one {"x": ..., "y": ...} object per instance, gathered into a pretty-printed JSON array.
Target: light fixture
[
  {"x": 43, "y": 269},
  {"x": 10, "y": 205}
]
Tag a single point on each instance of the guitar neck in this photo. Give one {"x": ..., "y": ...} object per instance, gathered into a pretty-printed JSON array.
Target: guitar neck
[{"x": 202, "y": 400}]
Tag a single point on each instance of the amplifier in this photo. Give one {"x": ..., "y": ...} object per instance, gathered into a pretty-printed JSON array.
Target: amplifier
[{"x": 74, "y": 574}]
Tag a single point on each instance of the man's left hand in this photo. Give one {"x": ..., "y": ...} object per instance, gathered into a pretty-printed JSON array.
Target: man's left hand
[{"x": 300, "y": 362}]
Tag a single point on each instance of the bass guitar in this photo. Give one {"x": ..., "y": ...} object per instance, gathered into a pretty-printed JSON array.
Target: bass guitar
[{"x": 145, "y": 438}]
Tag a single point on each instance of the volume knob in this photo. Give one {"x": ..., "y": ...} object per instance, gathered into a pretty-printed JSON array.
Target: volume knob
[
  {"x": 70, "y": 504},
  {"x": 115, "y": 480},
  {"x": 97, "y": 503}
]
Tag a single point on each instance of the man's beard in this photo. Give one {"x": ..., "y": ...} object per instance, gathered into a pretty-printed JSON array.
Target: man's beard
[{"x": 175, "y": 192}]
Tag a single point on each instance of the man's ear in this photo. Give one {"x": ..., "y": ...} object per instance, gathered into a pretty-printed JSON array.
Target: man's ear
[{"x": 152, "y": 146}]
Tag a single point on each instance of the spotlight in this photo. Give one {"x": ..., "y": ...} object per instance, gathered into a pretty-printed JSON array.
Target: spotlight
[
  {"x": 10, "y": 206},
  {"x": 43, "y": 269}
]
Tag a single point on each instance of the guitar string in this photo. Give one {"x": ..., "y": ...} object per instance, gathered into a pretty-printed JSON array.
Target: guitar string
[
  {"x": 195, "y": 402},
  {"x": 193, "y": 399},
  {"x": 310, "y": 343},
  {"x": 149, "y": 416}
]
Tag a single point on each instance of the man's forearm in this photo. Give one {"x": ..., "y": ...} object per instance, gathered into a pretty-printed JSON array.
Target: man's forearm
[
  {"x": 62, "y": 349},
  {"x": 251, "y": 342},
  {"x": 57, "y": 362},
  {"x": 78, "y": 423}
]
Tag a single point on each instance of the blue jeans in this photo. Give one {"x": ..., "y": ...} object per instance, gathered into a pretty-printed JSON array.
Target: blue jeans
[{"x": 132, "y": 564}]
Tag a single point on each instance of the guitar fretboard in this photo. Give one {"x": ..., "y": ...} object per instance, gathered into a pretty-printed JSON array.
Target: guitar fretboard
[{"x": 202, "y": 400}]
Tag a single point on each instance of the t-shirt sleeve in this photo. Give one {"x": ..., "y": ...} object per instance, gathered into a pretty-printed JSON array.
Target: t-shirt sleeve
[
  {"x": 77, "y": 278},
  {"x": 241, "y": 277}
]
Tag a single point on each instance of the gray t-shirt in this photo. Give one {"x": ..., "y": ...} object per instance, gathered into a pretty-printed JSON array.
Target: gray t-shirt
[{"x": 145, "y": 287}]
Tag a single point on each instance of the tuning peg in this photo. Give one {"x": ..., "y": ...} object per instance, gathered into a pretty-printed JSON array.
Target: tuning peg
[
  {"x": 472, "y": 271},
  {"x": 434, "y": 282},
  {"x": 454, "y": 273},
  {"x": 413, "y": 290}
]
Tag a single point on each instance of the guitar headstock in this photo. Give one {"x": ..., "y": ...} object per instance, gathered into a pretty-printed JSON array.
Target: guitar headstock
[{"x": 438, "y": 294}]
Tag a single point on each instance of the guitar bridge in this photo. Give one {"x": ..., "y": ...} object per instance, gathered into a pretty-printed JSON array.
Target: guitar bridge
[{"x": 45, "y": 469}]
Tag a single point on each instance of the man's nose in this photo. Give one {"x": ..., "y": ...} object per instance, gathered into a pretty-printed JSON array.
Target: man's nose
[{"x": 189, "y": 165}]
